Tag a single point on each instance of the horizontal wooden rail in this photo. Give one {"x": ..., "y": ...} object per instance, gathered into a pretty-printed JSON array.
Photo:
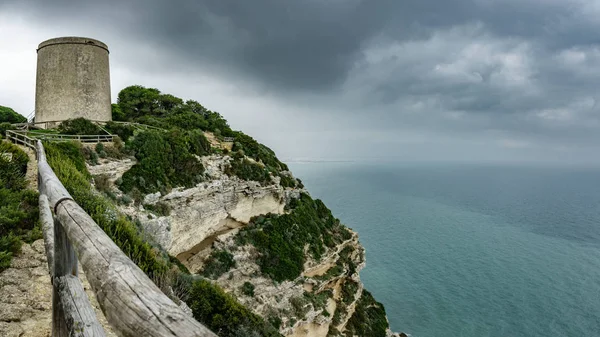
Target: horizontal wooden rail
[
  {"x": 55, "y": 123},
  {"x": 20, "y": 138},
  {"x": 131, "y": 302},
  {"x": 47, "y": 231}
]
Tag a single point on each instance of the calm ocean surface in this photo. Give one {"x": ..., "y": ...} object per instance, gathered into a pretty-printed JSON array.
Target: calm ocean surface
[{"x": 472, "y": 250}]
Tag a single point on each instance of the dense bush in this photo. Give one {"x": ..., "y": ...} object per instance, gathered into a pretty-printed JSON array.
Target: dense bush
[
  {"x": 349, "y": 289},
  {"x": 248, "y": 289},
  {"x": 149, "y": 106},
  {"x": 281, "y": 239},
  {"x": 102, "y": 182},
  {"x": 248, "y": 170},
  {"x": 4, "y": 127},
  {"x": 18, "y": 206},
  {"x": 287, "y": 181},
  {"x": 369, "y": 318},
  {"x": 123, "y": 131},
  {"x": 223, "y": 314},
  {"x": 319, "y": 300},
  {"x": 79, "y": 126},
  {"x": 165, "y": 160},
  {"x": 218, "y": 263},
  {"x": 9, "y": 115},
  {"x": 258, "y": 152}
]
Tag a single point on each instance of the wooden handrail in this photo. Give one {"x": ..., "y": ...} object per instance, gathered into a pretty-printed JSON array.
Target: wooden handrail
[
  {"x": 45, "y": 123},
  {"x": 131, "y": 302},
  {"x": 20, "y": 138}
]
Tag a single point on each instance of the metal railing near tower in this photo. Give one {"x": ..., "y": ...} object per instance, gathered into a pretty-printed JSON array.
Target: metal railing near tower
[{"x": 131, "y": 302}]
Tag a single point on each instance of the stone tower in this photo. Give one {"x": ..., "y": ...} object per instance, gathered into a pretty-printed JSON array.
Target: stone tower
[{"x": 72, "y": 81}]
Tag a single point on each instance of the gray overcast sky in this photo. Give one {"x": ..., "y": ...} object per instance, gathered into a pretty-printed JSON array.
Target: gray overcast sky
[{"x": 476, "y": 80}]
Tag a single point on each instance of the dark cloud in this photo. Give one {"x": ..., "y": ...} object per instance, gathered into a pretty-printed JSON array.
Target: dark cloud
[{"x": 519, "y": 72}]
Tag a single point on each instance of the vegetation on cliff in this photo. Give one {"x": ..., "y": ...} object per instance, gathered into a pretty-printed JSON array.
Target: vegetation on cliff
[
  {"x": 183, "y": 124},
  {"x": 165, "y": 160},
  {"x": 18, "y": 206},
  {"x": 283, "y": 239},
  {"x": 168, "y": 156},
  {"x": 369, "y": 318},
  {"x": 210, "y": 305}
]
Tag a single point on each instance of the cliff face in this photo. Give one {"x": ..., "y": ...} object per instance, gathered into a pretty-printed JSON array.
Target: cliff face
[{"x": 207, "y": 218}]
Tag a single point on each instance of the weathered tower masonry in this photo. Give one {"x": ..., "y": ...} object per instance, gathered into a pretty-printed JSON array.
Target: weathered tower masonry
[{"x": 73, "y": 80}]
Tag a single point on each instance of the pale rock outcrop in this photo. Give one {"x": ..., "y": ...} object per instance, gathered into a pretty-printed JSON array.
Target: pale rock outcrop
[
  {"x": 209, "y": 215},
  {"x": 114, "y": 169},
  {"x": 210, "y": 208}
]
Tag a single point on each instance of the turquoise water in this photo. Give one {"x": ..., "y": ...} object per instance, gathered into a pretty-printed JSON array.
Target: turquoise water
[{"x": 473, "y": 250}]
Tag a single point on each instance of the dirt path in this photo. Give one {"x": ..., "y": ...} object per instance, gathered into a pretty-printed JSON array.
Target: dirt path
[
  {"x": 26, "y": 295},
  {"x": 32, "y": 168}
]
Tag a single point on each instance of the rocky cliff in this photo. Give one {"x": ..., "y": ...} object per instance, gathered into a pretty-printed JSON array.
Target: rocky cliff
[{"x": 208, "y": 218}]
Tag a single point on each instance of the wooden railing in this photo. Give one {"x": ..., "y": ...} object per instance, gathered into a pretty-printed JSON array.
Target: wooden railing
[
  {"x": 51, "y": 124},
  {"x": 80, "y": 138},
  {"x": 131, "y": 302},
  {"x": 21, "y": 139}
]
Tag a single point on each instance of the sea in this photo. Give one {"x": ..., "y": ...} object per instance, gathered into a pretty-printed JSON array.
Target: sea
[{"x": 472, "y": 250}]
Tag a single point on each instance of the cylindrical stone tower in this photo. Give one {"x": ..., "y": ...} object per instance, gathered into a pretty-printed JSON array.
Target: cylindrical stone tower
[{"x": 72, "y": 81}]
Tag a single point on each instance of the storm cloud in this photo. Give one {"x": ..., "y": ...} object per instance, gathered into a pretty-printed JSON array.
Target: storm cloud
[{"x": 476, "y": 80}]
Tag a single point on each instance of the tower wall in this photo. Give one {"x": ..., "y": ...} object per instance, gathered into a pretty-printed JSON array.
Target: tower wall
[{"x": 73, "y": 80}]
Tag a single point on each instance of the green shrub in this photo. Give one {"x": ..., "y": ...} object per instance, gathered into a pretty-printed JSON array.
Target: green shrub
[
  {"x": 281, "y": 239},
  {"x": 218, "y": 263},
  {"x": 369, "y": 318},
  {"x": 123, "y": 131},
  {"x": 247, "y": 170},
  {"x": 125, "y": 200},
  {"x": 102, "y": 182},
  {"x": 19, "y": 205},
  {"x": 199, "y": 145},
  {"x": 248, "y": 289},
  {"x": 164, "y": 161},
  {"x": 5, "y": 127},
  {"x": 223, "y": 314},
  {"x": 8, "y": 115},
  {"x": 72, "y": 151},
  {"x": 275, "y": 321},
  {"x": 319, "y": 300},
  {"x": 349, "y": 289},
  {"x": 117, "y": 113},
  {"x": 300, "y": 305},
  {"x": 79, "y": 126},
  {"x": 287, "y": 181},
  {"x": 116, "y": 149},
  {"x": 258, "y": 152},
  {"x": 160, "y": 208}
]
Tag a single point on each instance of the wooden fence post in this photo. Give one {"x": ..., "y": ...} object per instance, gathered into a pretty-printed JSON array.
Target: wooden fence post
[
  {"x": 64, "y": 263},
  {"x": 48, "y": 230}
]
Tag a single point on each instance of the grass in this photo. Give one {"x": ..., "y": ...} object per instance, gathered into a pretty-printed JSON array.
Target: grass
[{"x": 19, "y": 205}]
